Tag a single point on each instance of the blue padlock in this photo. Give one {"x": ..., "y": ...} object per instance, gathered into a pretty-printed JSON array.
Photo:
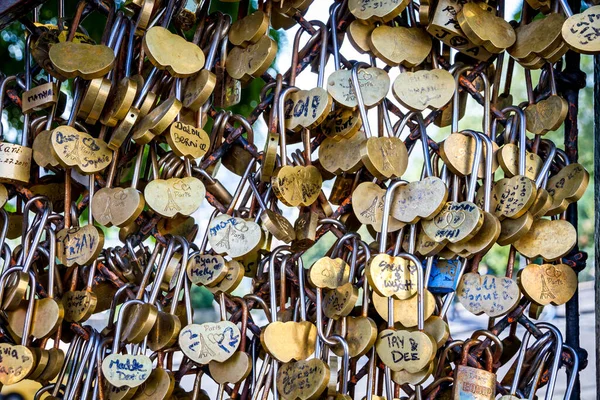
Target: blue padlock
[{"x": 443, "y": 278}]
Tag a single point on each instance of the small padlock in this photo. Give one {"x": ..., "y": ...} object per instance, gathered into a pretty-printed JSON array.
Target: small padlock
[
  {"x": 510, "y": 344},
  {"x": 474, "y": 383},
  {"x": 237, "y": 158},
  {"x": 214, "y": 186},
  {"x": 444, "y": 276},
  {"x": 445, "y": 27},
  {"x": 341, "y": 189},
  {"x": 306, "y": 229},
  {"x": 15, "y": 160}
]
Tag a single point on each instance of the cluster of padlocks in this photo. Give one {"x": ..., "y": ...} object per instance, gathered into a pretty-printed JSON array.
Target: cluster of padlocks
[{"x": 368, "y": 319}]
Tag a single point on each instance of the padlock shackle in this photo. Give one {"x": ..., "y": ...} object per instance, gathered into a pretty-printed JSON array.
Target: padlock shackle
[
  {"x": 183, "y": 264},
  {"x": 359, "y": 97},
  {"x": 338, "y": 224},
  {"x": 3, "y": 87},
  {"x": 333, "y": 11},
  {"x": 574, "y": 371},
  {"x": 319, "y": 322},
  {"x": 488, "y": 181},
  {"x": 558, "y": 346},
  {"x": 489, "y": 360},
  {"x": 420, "y": 290},
  {"x": 566, "y": 8},
  {"x": 88, "y": 354},
  {"x": 341, "y": 241},
  {"x": 562, "y": 155},
  {"x": 542, "y": 177},
  {"x": 387, "y": 206},
  {"x": 418, "y": 117},
  {"x": 345, "y": 361},
  {"x": 301, "y": 289},
  {"x": 38, "y": 227},
  {"x": 438, "y": 382},
  {"x": 119, "y": 325},
  {"x": 522, "y": 134},
  {"x": 272, "y": 288},
  {"x": 162, "y": 269},
  {"x": 458, "y": 71},
  {"x": 322, "y": 53},
  {"x": 115, "y": 301},
  {"x": 444, "y": 356},
  {"x": 495, "y": 339},
  {"x": 262, "y": 303},
  {"x": 30, "y": 303},
  {"x": 476, "y": 162}
]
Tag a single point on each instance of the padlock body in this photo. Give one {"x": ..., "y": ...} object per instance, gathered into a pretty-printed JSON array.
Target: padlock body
[
  {"x": 444, "y": 276},
  {"x": 474, "y": 384},
  {"x": 15, "y": 163}
]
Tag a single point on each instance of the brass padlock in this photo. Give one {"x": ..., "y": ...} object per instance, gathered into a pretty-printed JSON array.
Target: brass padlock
[
  {"x": 306, "y": 229},
  {"x": 214, "y": 186},
  {"x": 237, "y": 158},
  {"x": 42, "y": 96},
  {"x": 15, "y": 160},
  {"x": 474, "y": 383},
  {"x": 445, "y": 27},
  {"x": 341, "y": 189}
]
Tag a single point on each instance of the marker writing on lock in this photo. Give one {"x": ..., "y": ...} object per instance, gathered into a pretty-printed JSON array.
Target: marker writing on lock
[
  {"x": 76, "y": 301},
  {"x": 364, "y": 80},
  {"x": 129, "y": 365},
  {"x": 12, "y": 353},
  {"x": 398, "y": 284},
  {"x": 337, "y": 301},
  {"x": 192, "y": 336},
  {"x": 188, "y": 129},
  {"x": 482, "y": 297},
  {"x": 585, "y": 29},
  {"x": 187, "y": 142},
  {"x": 11, "y": 370},
  {"x": 129, "y": 370},
  {"x": 206, "y": 267},
  {"x": 405, "y": 351},
  {"x": 40, "y": 95},
  {"x": 396, "y": 280},
  {"x": 227, "y": 340},
  {"x": 10, "y": 148},
  {"x": 341, "y": 124},
  {"x": 75, "y": 245},
  {"x": 102, "y": 159},
  {"x": 124, "y": 376},
  {"x": 302, "y": 107},
  {"x": 299, "y": 377},
  {"x": 116, "y": 390},
  {"x": 222, "y": 225},
  {"x": 64, "y": 138}
]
